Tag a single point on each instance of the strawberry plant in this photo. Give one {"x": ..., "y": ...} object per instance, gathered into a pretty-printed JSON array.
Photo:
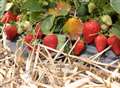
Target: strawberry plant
[
  {"x": 59, "y": 43},
  {"x": 52, "y": 21}
]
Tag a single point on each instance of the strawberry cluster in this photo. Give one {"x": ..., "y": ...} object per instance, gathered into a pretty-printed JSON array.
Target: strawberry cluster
[
  {"x": 74, "y": 27},
  {"x": 92, "y": 35},
  {"x": 10, "y": 28},
  {"x": 49, "y": 40}
]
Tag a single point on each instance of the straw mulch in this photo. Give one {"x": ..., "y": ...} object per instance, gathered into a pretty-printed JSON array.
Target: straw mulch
[{"x": 55, "y": 69}]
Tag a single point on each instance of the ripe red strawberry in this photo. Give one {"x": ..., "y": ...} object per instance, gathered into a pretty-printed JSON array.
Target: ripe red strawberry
[
  {"x": 28, "y": 38},
  {"x": 90, "y": 28},
  {"x": 79, "y": 47},
  {"x": 100, "y": 42},
  {"x": 115, "y": 43},
  {"x": 31, "y": 49},
  {"x": 51, "y": 41},
  {"x": 11, "y": 31},
  {"x": 38, "y": 32},
  {"x": 8, "y": 17}
]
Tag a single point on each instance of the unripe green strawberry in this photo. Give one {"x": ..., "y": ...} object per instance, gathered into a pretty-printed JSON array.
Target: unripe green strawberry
[
  {"x": 90, "y": 30},
  {"x": 51, "y": 41},
  {"x": 91, "y": 7},
  {"x": 11, "y": 31},
  {"x": 24, "y": 26},
  {"x": 20, "y": 30},
  {"x": 27, "y": 26},
  {"x": 100, "y": 42},
  {"x": 79, "y": 47},
  {"x": 107, "y": 20},
  {"x": 114, "y": 41}
]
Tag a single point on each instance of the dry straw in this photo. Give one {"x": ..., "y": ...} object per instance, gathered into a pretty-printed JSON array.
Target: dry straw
[{"x": 42, "y": 69}]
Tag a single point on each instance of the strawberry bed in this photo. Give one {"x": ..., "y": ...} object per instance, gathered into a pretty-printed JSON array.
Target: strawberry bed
[{"x": 59, "y": 44}]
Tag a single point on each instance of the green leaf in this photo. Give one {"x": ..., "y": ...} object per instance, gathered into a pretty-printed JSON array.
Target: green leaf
[
  {"x": 63, "y": 12},
  {"x": 32, "y": 5},
  {"x": 107, "y": 9},
  {"x": 2, "y": 7},
  {"x": 47, "y": 24},
  {"x": 35, "y": 17},
  {"x": 116, "y": 30},
  {"x": 115, "y": 5},
  {"x": 82, "y": 10},
  {"x": 58, "y": 24},
  {"x": 61, "y": 40}
]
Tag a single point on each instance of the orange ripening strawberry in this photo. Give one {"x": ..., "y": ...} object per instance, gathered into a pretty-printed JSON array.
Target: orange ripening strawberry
[
  {"x": 38, "y": 32},
  {"x": 79, "y": 47},
  {"x": 11, "y": 31},
  {"x": 100, "y": 42},
  {"x": 28, "y": 38},
  {"x": 51, "y": 41},
  {"x": 73, "y": 27},
  {"x": 90, "y": 30},
  {"x": 8, "y": 17},
  {"x": 114, "y": 41}
]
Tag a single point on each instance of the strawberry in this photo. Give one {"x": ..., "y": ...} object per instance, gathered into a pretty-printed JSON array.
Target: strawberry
[
  {"x": 51, "y": 41},
  {"x": 28, "y": 38},
  {"x": 100, "y": 42},
  {"x": 11, "y": 31},
  {"x": 38, "y": 32},
  {"x": 31, "y": 49},
  {"x": 8, "y": 17},
  {"x": 106, "y": 19},
  {"x": 73, "y": 27},
  {"x": 90, "y": 29},
  {"x": 91, "y": 7},
  {"x": 79, "y": 47},
  {"x": 27, "y": 26},
  {"x": 114, "y": 41}
]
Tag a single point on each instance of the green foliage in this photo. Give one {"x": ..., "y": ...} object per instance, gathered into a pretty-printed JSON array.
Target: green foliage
[
  {"x": 108, "y": 9},
  {"x": 33, "y": 5},
  {"x": 58, "y": 24},
  {"x": 35, "y": 17},
  {"x": 82, "y": 10},
  {"x": 116, "y": 29},
  {"x": 47, "y": 24},
  {"x": 102, "y": 7},
  {"x": 61, "y": 40},
  {"x": 37, "y": 11},
  {"x": 115, "y": 5},
  {"x": 2, "y": 7}
]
